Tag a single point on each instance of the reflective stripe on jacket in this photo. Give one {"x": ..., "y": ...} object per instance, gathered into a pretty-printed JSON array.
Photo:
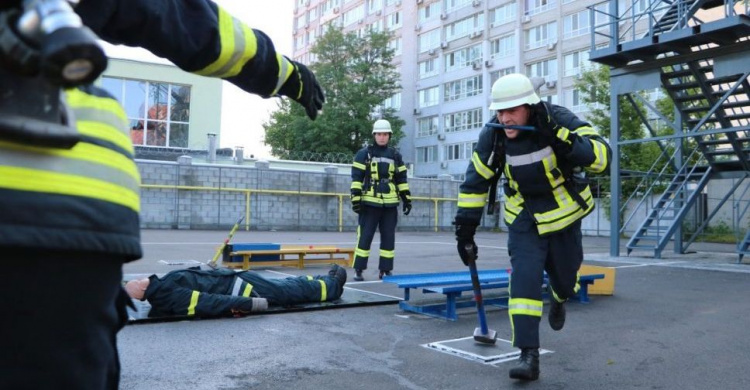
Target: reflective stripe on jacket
[
  {"x": 380, "y": 174},
  {"x": 81, "y": 199}
]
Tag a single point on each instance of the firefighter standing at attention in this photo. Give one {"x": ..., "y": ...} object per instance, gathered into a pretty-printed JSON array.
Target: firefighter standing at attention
[
  {"x": 69, "y": 186},
  {"x": 547, "y": 196},
  {"x": 378, "y": 180}
]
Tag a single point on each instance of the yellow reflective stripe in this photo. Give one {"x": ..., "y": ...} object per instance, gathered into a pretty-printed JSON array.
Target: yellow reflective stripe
[
  {"x": 403, "y": 187},
  {"x": 78, "y": 99},
  {"x": 24, "y": 179},
  {"x": 387, "y": 254},
  {"x": 356, "y": 185},
  {"x": 362, "y": 252},
  {"x": 238, "y": 46},
  {"x": 550, "y": 165},
  {"x": 193, "y": 302},
  {"x": 309, "y": 277},
  {"x": 586, "y": 131},
  {"x": 285, "y": 71},
  {"x": 402, "y": 168},
  {"x": 563, "y": 134},
  {"x": 471, "y": 200},
  {"x": 356, "y": 198},
  {"x": 578, "y": 282},
  {"x": 565, "y": 210},
  {"x": 525, "y": 306},
  {"x": 359, "y": 166},
  {"x": 323, "y": 291},
  {"x": 479, "y": 166},
  {"x": 248, "y": 289},
  {"x": 600, "y": 163}
]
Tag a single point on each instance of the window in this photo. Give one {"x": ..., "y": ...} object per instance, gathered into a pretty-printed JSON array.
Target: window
[
  {"x": 376, "y": 26},
  {"x": 460, "y": 151},
  {"x": 463, "y": 58},
  {"x": 354, "y": 15},
  {"x": 300, "y": 21},
  {"x": 459, "y": 89},
  {"x": 536, "y": 6},
  {"x": 428, "y": 97},
  {"x": 374, "y": 6},
  {"x": 464, "y": 27},
  {"x": 429, "y": 40},
  {"x": 427, "y": 126},
  {"x": 576, "y": 63},
  {"x": 573, "y": 100},
  {"x": 395, "y": 44},
  {"x": 427, "y": 154},
  {"x": 429, "y": 12},
  {"x": 393, "y": 102},
  {"x": 463, "y": 120},
  {"x": 452, "y": 5},
  {"x": 428, "y": 68},
  {"x": 505, "y": 13},
  {"x": 576, "y": 24},
  {"x": 159, "y": 113},
  {"x": 393, "y": 21},
  {"x": 551, "y": 99},
  {"x": 326, "y": 8},
  {"x": 503, "y": 46},
  {"x": 541, "y": 35},
  {"x": 500, "y": 73},
  {"x": 546, "y": 69}
]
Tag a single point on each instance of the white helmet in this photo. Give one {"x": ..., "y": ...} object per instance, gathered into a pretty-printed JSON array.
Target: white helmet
[
  {"x": 381, "y": 126},
  {"x": 513, "y": 90}
]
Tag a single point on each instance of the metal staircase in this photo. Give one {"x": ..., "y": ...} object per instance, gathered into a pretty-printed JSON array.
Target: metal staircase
[{"x": 712, "y": 98}]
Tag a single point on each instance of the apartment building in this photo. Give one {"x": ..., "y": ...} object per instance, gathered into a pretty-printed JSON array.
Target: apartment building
[{"x": 449, "y": 52}]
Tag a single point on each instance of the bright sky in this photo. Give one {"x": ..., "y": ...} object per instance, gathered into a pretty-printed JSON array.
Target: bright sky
[{"x": 242, "y": 114}]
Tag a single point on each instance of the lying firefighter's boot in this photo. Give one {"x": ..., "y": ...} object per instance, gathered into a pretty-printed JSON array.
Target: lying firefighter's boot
[
  {"x": 527, "y": 367},
  {"x": 556, "y": 314},
  {"x": 358, "y": 275}
]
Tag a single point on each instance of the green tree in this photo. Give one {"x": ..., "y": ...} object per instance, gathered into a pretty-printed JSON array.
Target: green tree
[{"x": 357, "y": 75}]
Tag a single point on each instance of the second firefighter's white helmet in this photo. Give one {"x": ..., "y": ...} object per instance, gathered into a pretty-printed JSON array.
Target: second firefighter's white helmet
[
  {"x": 381, "y": 126},
  {"x": 513, "y": 90}
]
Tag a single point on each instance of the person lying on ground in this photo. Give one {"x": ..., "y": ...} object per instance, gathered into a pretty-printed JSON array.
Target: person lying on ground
[{"x": 217, "y": 292}]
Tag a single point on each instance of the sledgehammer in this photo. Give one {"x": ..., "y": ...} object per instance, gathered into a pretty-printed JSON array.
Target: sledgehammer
[{"x": 481, "y": 334}]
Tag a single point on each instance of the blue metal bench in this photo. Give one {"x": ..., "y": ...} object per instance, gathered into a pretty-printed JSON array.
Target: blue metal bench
[{"x": 453, "y": 284}]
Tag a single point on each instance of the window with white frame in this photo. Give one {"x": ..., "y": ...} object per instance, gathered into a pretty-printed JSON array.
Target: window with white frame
[
  {"x": 300, "y": 3},
  {"x": 426, "y": 154},
  {"x": 459, "y": 151},
  {"x": 546, "y": 68},
  {"x": 312, "y": 14},
  {"x": 299, "y": 41},
  {"x": 576, "y": 24},
  {"x": 551, "y": 99},
  {"x": 576, "y": 63},
  {"x": 393, "y": 21},
  {"x": 503, "y": 46},
  {"x": 533, "y": 7},
  {"x": 326, "y": 8},
  {"x": 463, "y": 58},
  {"x": 393, "y": 102},
  {"x": 500, "y": 73},
  {"x": 428, "y": 97},
  {"x": 429, "y": 12},
  {"x": 505, "y": 13},
  {"x": 354, "y": 15},
  {"x": 376, "y": 26},
  {"x": 460, "y": 89},
  {"x": 641, "y": 6},
  {"x": 463, "y": 120},
  {"x": 464, "y": 27},
  {"x": 427, "y": 126},
  {"x": 395, "y": 44},
  {"x": 300, "y": 21},
  {"x": 428, "y": 68},
  {"x": 374, "y": 6},
  {"x": 568, "y": 1},
  {"x": 573, "y": 100},
  {"x": 391, "y": 2},
  {"x": 429, "y": 40},
  {"x": 541, "y": 35},
  {"x": 452, "y": 5}
]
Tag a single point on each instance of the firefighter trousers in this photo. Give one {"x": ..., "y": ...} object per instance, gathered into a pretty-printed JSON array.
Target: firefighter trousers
[
  {"x": 371, "y": 218},
  {"x": 559, "y": 254},
  {"x": 294, "y": 290}
]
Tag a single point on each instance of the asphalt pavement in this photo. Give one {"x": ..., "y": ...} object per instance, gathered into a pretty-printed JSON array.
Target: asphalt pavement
[{"x": 679, "y": 322}]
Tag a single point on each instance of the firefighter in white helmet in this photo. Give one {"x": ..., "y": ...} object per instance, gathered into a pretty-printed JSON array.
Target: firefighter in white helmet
[
  {"x": 378, "y": 181},
  {"x": 547, "y": 196}
]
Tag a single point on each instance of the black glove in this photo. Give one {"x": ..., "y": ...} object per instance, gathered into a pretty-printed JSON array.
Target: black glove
[
  {"x": 467, "y": 248},
  {"x": 406, "y": 199},
  {"x": 356, "y": 201},
  {"x": 558, "y": 137},
  {"x": 302, "y": 87},
  {"x": 407, "y": 208}
]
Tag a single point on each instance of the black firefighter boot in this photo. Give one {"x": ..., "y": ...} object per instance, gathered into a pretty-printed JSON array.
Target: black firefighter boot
[
  {"x": 556, "y": 314},
  {"x": 527, "y": 366},
  {"x": 358, "y": 275}
]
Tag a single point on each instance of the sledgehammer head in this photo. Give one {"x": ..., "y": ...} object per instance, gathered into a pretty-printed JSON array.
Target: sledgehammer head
[{"x": 488, "y": 338}]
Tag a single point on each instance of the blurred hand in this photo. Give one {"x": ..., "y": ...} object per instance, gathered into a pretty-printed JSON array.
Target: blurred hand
[
  {"x": 467, "y": 248},
  {"x": 407, "y": 208}
]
